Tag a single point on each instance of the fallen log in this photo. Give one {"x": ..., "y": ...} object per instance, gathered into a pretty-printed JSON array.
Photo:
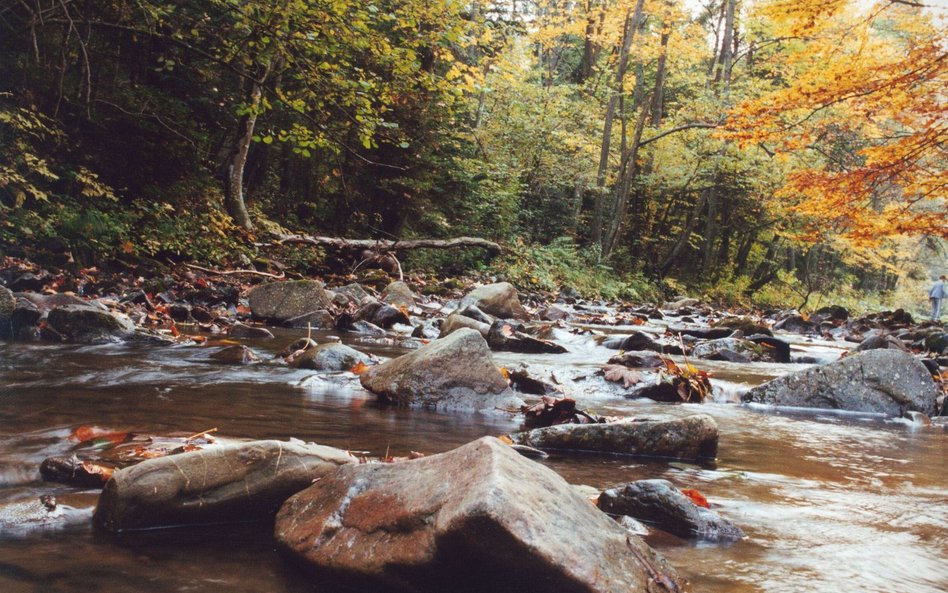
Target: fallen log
[{"x": 380, "y": 245}]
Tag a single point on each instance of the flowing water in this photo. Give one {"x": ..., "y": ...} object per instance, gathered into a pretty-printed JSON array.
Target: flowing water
[{"x": 829, "y": 502}]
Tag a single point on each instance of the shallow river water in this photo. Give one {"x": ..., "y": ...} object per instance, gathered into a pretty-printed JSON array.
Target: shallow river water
[{"x": 829, "y": 502}]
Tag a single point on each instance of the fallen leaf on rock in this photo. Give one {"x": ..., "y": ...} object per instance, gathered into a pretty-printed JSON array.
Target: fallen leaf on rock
[
  {"x": 696, "y": 497},
  {"x": 359, "y": 368},
  {"x": 622, "y": 374}
]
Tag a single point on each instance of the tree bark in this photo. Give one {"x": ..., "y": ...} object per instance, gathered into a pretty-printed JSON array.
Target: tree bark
[
  {"x": 237, "y": 159},
  {"x": 631, "y": 24}
]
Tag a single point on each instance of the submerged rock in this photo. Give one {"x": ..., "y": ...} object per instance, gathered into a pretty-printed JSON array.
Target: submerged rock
[
  {"x": 85, "y": 324},
  {"x": 240, "y": 330},
  {"x": 40, "y": 513},
  {"x": 282, "y": 301},
  {"x": 453, "y": 372},
  {"x": 878, "y": 381},
  {"x": 500, "y": 300},
  {"x": 239, "y": 482},
  {"x": 637, "y": 360},
  {"x": 692, "y": 437},
  {"x": 238, "y": 354},
  {"x": 659, "y": 503},
  {"x": 330, "y": 357},
  {"x": 476, "y": 519}
]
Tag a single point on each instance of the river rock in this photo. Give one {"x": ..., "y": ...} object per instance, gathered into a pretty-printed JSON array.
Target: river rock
[
  {"x": 881, "y": 342},
  {"x": 638, "y": 341},
  {"x": 236, "y": 482},
  {"x": 659, "y": 503},
  {"x": 476, "y": 519},
  {"x": 506, "y": 337},
  {"x": 691, "y": 437},
  {"x": 85, "y": 324},
  {"x": 240, "y": 330},
  {"x": 7, "y": 304},
  {"x": 237, "y": 354},
  {"x": 795, "y": 324},
  {"x": 318, "y": 319},
  {"x": 637, "y": 360},
  {"x": 24, "y": 319},
  {"x": 40, "y": 513},
  {"x": 680, "y": 304},
  {"x": 282, "y": 301},
  {"x": 500, "y": 300},
  {"x": 398, "y": 294},
  {"x": 330, "y": 357},
  {"x": 881, "y": 381},
  {"x": 353, "y": 293},
  {"x": 381, "y": 315},
  {"x": 456, "y": 371},
  {"x": 456, "y": 321},
  {"x": 729, "y": 349},
  {"x": 703, "y": 333},
  {"x": 745, "y": 324}
]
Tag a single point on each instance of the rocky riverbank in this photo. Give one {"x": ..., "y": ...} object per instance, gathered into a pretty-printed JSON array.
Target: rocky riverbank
[{"x": 455, "y": 336}]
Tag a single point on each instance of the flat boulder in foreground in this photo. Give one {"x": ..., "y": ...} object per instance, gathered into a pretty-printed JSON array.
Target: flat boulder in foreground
[
  {"x": 692, "y": 437},
  {"x": 476, "y": 519},
  {"x": 231, "y": 483},
  {"x": 455, "y": 372},
  {"x": 889, "y": 382}
]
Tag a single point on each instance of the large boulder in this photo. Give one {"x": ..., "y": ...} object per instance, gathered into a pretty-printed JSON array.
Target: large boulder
[
  {"x": 86, "y": 324},
  {"x": 881, "y": 381},
  {"x": 236, "y": 482},
  {"x": 500, "y": 300},
  {"x": 659, "y": 503},
  {"x": 330, "y": 357},
  {"x": 475, "y": 519},
  {"x": 692, "y": 437},
  {"x": 453, "y": 372},
  {"x": 282, "y": 301},
  {"x": 7, "y": 304}
]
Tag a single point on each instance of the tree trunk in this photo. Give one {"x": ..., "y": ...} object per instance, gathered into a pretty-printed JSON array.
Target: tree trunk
[
  {"x": 628, "y": 35},
  {"x": 237, "y": 160}
]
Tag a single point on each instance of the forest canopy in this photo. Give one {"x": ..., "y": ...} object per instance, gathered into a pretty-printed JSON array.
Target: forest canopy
[{"x": 733, "y": 143}]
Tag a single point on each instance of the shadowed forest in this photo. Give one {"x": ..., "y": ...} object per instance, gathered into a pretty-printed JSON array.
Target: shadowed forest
[{"x": 772, "y": 151}]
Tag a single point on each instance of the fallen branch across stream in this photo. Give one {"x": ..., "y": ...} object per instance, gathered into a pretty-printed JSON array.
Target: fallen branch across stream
[
  {"x": 382, "y": 245},
  {"x": 235, "y": 272}
]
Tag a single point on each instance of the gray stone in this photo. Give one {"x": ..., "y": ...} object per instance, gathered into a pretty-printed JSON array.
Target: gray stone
[
  {"x": 84, "y": 324},
  {"x": 452, "y": 372},
  {"x": 318, "y": 319},
  {"x": 398, "y": 294},
  {"x": 353, "y": 293},
  {"x": 659, "y": 503},
  {"x": 478, "y": 518},
  {"x": 330, "y": 357},
  {"x": 506, "y": 337},
  {"x": 455, "y": 321},
  {"x": 878, "y": 381},
  {"x": 637, "y": 360},
  {"x": 692, "y": 437},
  {"x": 237, "y": 354},
  {"x": 500, "y": 300},
  {"x": 282, "y": 301},
  {"x": 240, "y": 330},
  {"x": 382, "y": 315},
  {"x": 236, "y": 482},
  {"x": 730, "y": 349}
]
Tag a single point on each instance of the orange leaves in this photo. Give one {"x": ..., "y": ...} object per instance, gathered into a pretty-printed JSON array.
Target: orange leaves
[
  {"x": 359, "y": 368},
  {"x": 696, "y": 497}
]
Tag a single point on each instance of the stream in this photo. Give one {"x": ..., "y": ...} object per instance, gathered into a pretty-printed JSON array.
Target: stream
[{"x": 830, "y": 502}]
